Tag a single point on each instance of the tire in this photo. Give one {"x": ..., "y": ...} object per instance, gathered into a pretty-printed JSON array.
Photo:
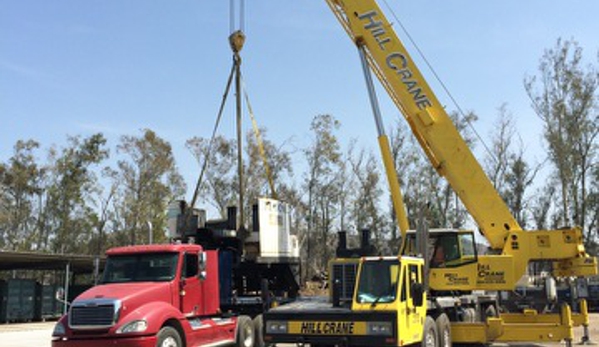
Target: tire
[
  {"x": 490, "y": 312},
  {"x": 245, "y": 332},
  {"x": 443, "y": 330},
  {"x": 469, "y": 315},
  {"x": 258, "y": 331},
  {"x": 168, "y": 337},
  {"x": 430, "y": 336}
]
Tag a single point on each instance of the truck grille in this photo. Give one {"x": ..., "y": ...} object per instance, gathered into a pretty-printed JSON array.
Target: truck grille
[
  {"x": 344, "y": 272},
  {"x": 94, "y": 314}
]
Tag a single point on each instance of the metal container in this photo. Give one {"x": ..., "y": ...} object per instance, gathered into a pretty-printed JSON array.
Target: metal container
[
  {"x": 51, "y": 308},
  {"x": 3, "y": 301},
  {"x": 23, "y": 299}
]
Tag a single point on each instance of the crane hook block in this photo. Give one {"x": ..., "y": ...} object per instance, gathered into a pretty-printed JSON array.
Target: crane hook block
[{"x": 236, "y": 40}]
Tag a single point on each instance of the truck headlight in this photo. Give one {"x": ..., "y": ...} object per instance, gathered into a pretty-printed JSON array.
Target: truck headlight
[
  {"x": 379, "y": 328},
  {"x": 135, "y": 326},
  {"x": 276, "y": 327},
  {"x": 59, "y": 330}
]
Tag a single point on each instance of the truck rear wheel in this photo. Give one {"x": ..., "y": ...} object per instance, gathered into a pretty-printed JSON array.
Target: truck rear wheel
[
  {"x": 443, "y": 330},
  {"x": 430, "y": 337},
  {"x": 258, "y": 334},
  {"x": 245, "y": 332},
  {"x": 168, "y": 337}
]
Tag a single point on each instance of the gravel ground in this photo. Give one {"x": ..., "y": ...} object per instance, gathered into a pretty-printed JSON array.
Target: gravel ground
[{"x": 39, "y": 334}]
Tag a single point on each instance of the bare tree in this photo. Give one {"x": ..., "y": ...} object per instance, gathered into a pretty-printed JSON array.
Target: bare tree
[
  {"x": 564, "y": 96},
  {"x": 506, "y": 166},
  {"x": 322, "y": 183},
  {"x": 496, "y": 162},
  {"x": 366, "y": 195}
]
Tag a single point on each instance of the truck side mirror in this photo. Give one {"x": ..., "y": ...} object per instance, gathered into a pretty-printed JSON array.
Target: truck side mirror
[
  {"x": 202, "y": 259},
  {"x": 60, "y": 296},
  {"x": 417, "y": 293}
]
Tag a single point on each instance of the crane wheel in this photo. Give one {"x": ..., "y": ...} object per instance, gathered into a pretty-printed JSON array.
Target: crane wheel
[
  {"x": 490, "y": 312},
  {"x": 430, "y": 336},
  {"x": 443, "y": 330},
  {"x": 469, "y": 315},
  {"x": 245, "y": 332}
]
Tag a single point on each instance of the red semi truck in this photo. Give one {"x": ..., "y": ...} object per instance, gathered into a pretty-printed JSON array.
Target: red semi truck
[{"x": 204, "y": 290}]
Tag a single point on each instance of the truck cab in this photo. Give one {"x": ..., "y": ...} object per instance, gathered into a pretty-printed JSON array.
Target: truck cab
[
  {"x": 152, "y": 295},
  {"x": 388, "y": 309},
  {"x": 208, "y": 288}
]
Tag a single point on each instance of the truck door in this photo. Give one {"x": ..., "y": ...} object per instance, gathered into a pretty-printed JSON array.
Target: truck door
[
  {"x": 191, "y": 295},
  {"x": 410, "y": 317},
  {"x": 190, "y": 285}
]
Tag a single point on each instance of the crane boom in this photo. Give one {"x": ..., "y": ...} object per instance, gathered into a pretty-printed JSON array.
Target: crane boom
[{"x": 430, "y": 123}]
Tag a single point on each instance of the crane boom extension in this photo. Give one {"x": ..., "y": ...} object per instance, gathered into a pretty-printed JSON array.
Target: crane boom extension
[{"x": 449, "y": 154}]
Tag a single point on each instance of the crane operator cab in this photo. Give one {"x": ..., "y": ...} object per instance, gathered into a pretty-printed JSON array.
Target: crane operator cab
[{"x": 445, "y": 248}]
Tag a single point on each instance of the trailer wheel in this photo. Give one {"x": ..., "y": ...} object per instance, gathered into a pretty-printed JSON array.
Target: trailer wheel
[
  {"x": 168, "y": 337},
  {"x": 245, "y": 332},
  {"x": 443, "y": 330},
  {"x": 430, "y": 335},
  {"x": 258, "y": 333}
]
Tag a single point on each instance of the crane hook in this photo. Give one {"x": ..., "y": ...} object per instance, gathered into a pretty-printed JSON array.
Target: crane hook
[{"x": 236, "y": 40}]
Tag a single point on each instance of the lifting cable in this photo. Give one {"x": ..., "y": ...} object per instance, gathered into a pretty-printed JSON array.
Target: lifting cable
[
  {"x": 443, "y": 86},
  {"x": 258, "y": 136},
  {"x": 236, "y": 40},
  {"x": 233, "y": 40},
  {"x": 241, "y": 24},
  {"x": 208, "y": 151}
]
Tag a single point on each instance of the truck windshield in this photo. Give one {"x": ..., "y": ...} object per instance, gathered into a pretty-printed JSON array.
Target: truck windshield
[
  {"x": 378, "y": 281},
  {"x": 140, "y": 267}
]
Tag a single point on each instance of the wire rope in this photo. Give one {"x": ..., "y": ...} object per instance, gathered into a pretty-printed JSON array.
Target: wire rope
[
  {"x": 438, "y": 78},
  {"x": 208, "y": 151}
]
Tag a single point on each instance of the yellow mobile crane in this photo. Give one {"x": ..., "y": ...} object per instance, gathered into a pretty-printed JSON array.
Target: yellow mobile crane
[
  {"x": 451, "y": 157},
  {"x": 396, "y": 300}
]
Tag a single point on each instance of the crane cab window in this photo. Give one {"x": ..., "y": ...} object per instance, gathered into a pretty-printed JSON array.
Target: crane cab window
[{"x": 452, "y": 250}]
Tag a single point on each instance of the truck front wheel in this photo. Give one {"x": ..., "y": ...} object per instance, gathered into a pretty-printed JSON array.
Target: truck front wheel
[
  {"x": 430, "y": 336},
  {"x": 168, "y": 337},
  {"x": 245, "y": 332},
  {"x": 444, "y": 330}
]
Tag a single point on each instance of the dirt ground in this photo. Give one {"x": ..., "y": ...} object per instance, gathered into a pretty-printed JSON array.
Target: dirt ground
[{"x": 593, "y": 329}]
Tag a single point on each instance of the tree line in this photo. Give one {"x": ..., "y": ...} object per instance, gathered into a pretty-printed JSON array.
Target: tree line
[{"x": 85, "y": 198}]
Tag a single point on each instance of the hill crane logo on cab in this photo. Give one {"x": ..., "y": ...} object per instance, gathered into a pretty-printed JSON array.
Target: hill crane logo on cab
[
  {"x": 396, "y": 61},
  {"x": 327, "y": 328},
  {"x": 486, "y": 275}
]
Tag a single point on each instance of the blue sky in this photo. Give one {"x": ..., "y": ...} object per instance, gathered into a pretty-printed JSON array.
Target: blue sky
[{"x": 80, "y": 67}]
